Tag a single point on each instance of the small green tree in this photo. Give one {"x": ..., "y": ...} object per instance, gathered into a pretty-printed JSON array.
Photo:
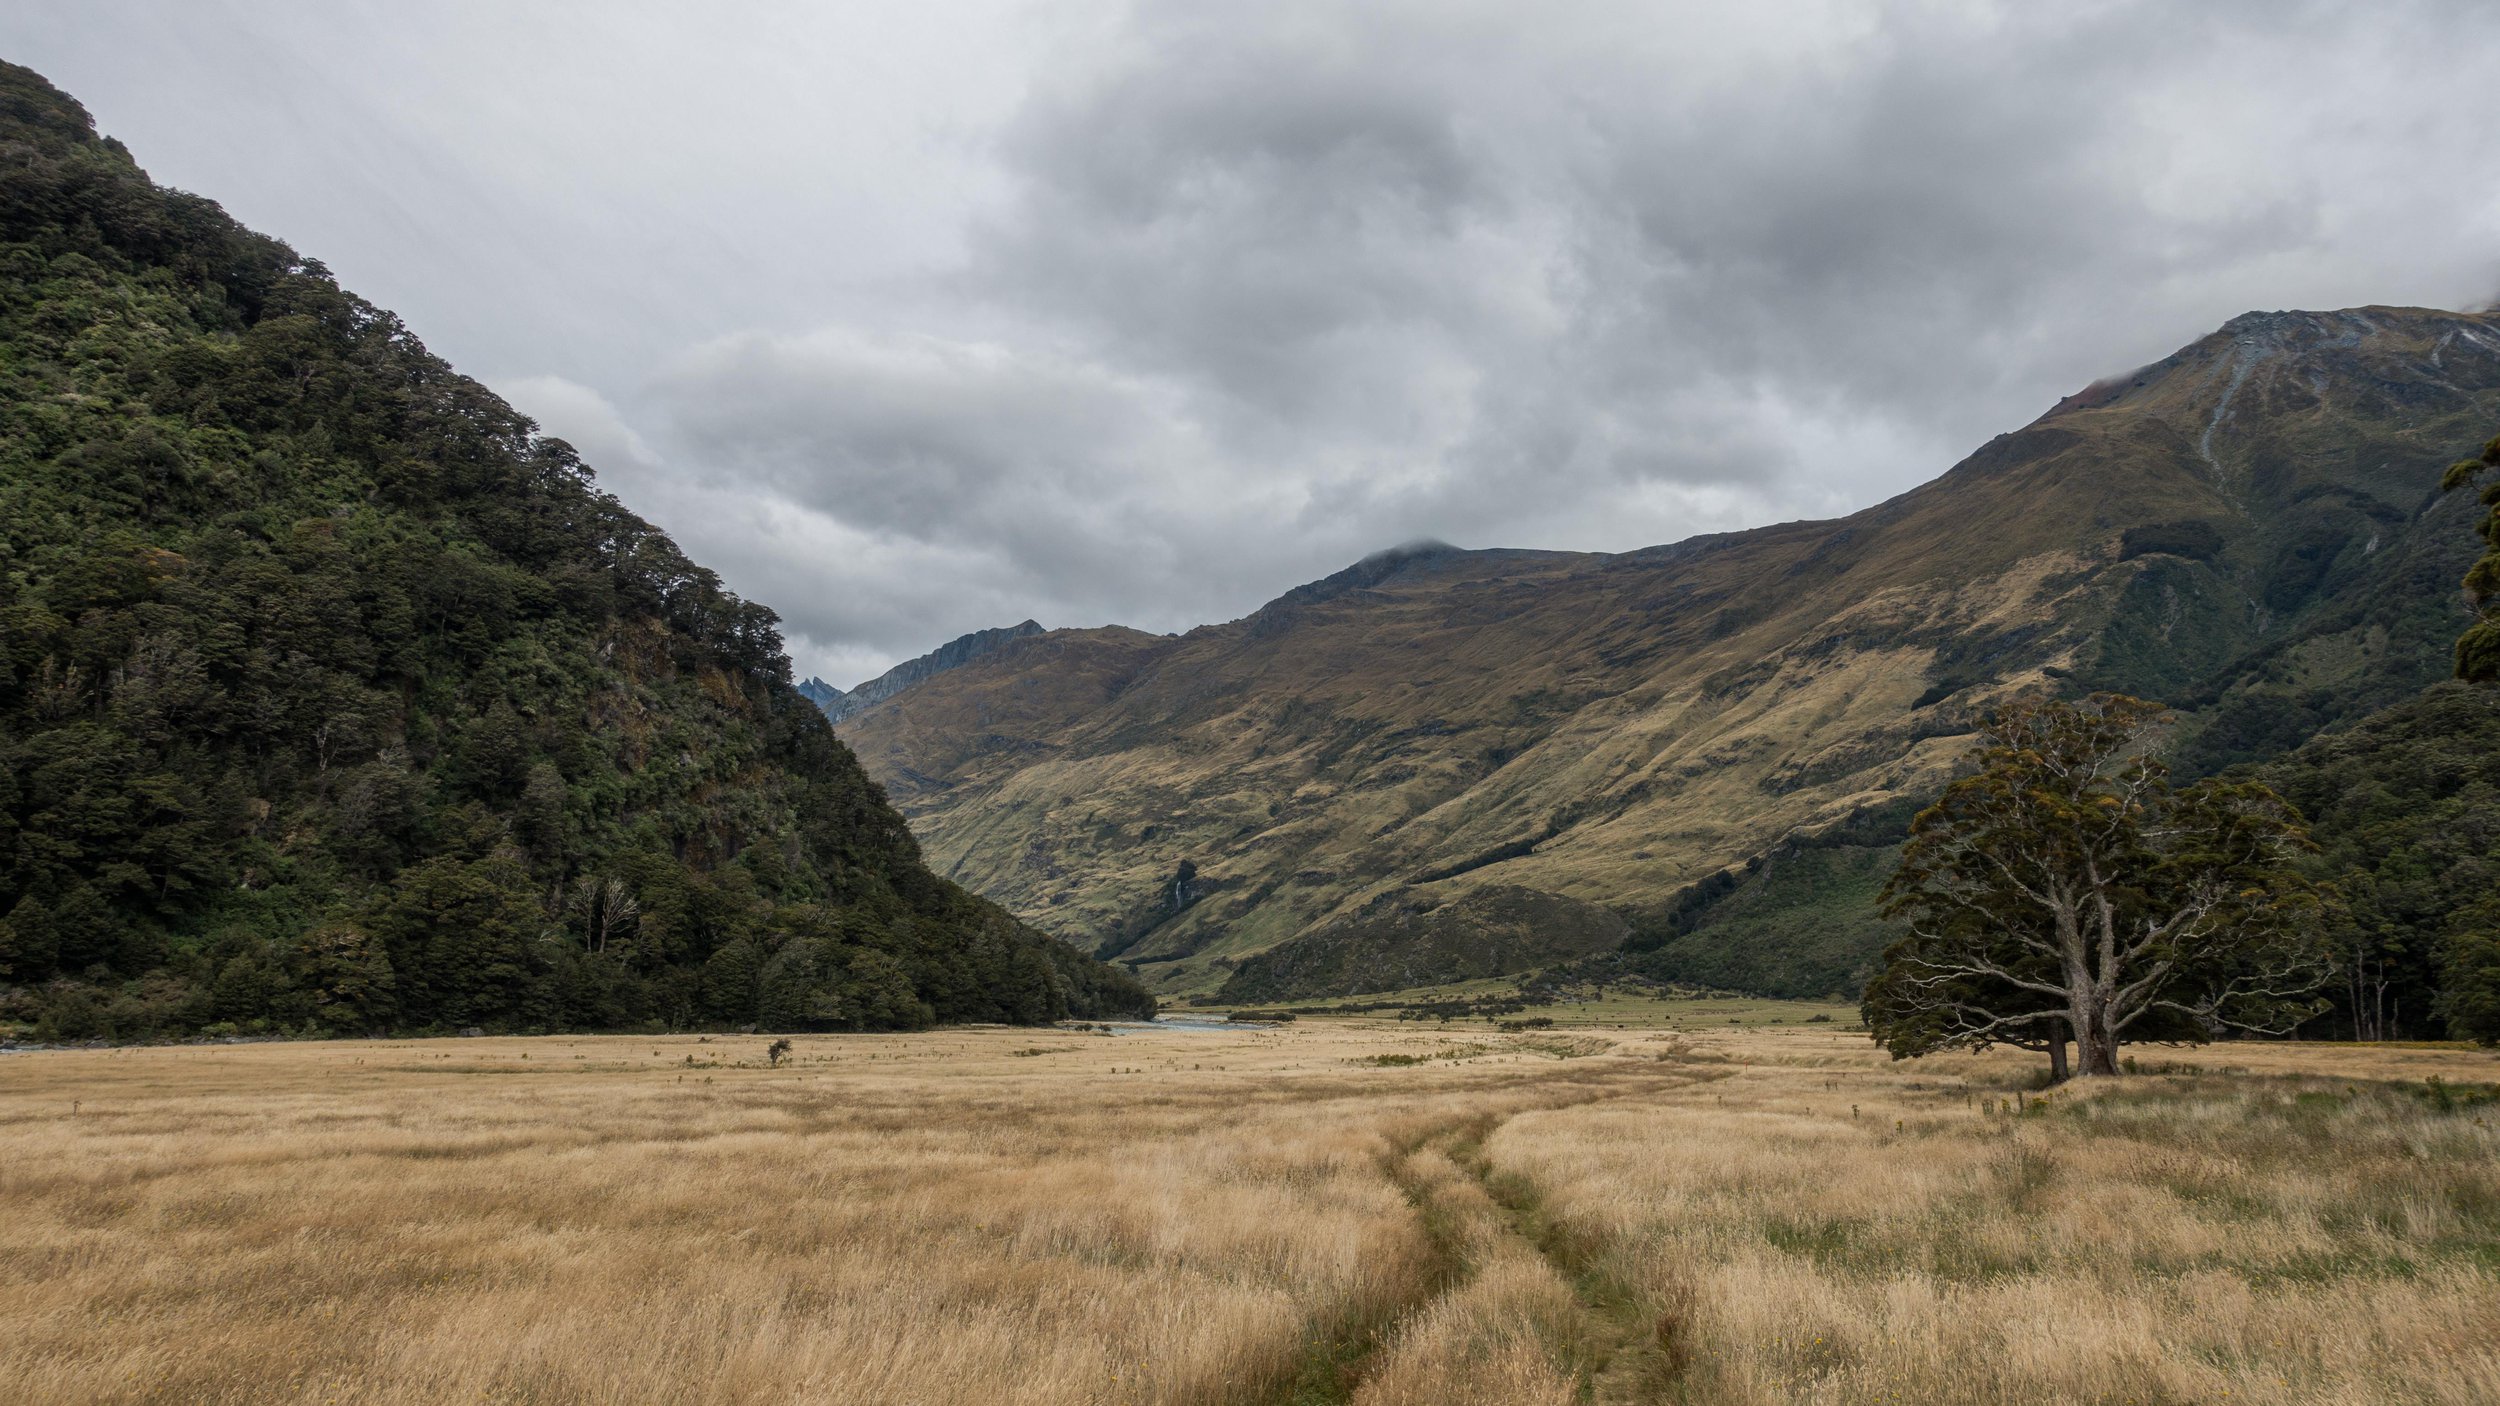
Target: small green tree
[
  {"x": 729, "y": 982},
  {"x": 459, "y": 938},
  {"x": 346, "y": 976},
  {"x": 874, "y": 992},
  {"x": 2067, "y": 889}
]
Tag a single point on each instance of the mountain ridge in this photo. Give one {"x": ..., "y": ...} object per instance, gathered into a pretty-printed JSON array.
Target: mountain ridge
[
  {"x": 1611, "y": 728},
  {"x": 838, "y": 704}
]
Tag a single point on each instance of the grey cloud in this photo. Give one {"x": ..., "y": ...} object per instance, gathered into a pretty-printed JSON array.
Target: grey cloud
[
  {"x": 909, "y": 433},
  {"x": 852, "y": 600},
  {"x": 1279, "y": 284},
  {"x": 1146, "y": 310},
  {"x": 997, "y": 479},
  {"x": 1582, "y": 259}
]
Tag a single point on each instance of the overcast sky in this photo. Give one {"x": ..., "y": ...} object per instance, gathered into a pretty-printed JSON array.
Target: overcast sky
[{"x": 918, "y": 317}]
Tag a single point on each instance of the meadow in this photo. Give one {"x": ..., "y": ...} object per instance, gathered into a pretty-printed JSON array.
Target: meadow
[{"x": 1364, "y": 1211}]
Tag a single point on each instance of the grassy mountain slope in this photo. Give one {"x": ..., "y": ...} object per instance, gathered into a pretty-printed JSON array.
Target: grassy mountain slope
[
  {"x": 333, "y": 697},
  {"x": 1797, "y": 920},
  {"x": 2236, "y": 529}
]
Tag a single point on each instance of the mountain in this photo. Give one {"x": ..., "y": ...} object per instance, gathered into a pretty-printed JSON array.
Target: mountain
[
  {"x": 1666, "y": 738},
  {"x": 953, "y": 654},
  {"x": 334, "y": 698}
]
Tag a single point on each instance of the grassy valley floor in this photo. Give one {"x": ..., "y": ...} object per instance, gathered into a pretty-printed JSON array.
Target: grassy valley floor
[{"x": 1336, "y": 1210}]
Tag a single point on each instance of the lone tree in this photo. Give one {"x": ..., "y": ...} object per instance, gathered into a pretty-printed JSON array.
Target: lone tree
[
  {"x": 2068, "y": 891},
  {"x": 2478, "y": 653}
]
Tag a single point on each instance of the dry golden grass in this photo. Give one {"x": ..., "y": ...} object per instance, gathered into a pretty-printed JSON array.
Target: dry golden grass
[
  {"x": 1823, "y": 1227},
  {"x": 1212, "y": 1217}
]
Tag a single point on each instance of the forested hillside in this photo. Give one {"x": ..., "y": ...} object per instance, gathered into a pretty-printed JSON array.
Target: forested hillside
[{"x": 335, "y": 698}]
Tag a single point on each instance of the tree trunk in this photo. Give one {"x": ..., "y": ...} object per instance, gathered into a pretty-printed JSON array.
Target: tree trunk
[
  {"x": 2058, "y": 1072},
  {"x": 2096, "y": 1049}
]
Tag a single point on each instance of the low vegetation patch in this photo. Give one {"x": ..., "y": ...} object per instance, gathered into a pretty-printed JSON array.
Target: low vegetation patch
[{"x": 1402, "y": 1059}]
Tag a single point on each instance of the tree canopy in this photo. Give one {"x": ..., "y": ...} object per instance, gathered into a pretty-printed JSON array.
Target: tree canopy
[
  {"x": 2067, "y": 890},
  {"x": 334, "y": 697},
  {"x": 2406, "y": 809},
  {"x": 2478, "y": 652}
]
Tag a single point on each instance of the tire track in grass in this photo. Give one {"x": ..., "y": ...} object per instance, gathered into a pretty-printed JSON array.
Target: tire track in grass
[
  {"x": 1627, "y": 1353},
  {"x": 1332, "y": 1368},
  {"x": 1612, "y": 1347},
  {"x": 1627, "y": 1346}
]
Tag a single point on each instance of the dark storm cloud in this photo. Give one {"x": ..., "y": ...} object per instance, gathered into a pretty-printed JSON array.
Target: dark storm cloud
[{"x": 1147, "y": 312}]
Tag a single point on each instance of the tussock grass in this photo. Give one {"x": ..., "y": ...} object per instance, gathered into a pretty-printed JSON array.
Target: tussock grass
[
  {"x": 1879, "y": 1234},
  {"x": 1753, "y": 1216}
]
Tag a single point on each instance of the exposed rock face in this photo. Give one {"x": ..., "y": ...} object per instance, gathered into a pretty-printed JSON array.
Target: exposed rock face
[
  {"x": 2245, "y": 529},
  {"x": 953, "y": 654}
]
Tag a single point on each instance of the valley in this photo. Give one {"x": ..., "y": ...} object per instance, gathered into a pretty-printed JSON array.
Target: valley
[
  {"x": 1442, "y": 764},
  {"x": 1334, "y": 1210},
  {"x": 2033, "y": 939}
]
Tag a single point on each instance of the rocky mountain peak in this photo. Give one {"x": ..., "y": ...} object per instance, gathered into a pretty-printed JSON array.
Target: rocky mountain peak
[{"x": 953, "y": 654}]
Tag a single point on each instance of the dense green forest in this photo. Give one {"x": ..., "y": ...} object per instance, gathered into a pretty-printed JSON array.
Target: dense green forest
[
  {"x": 334, "y": 698},
  {"x": 2405, "y": 809},
  {"x": 2478, "y": 650}
]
